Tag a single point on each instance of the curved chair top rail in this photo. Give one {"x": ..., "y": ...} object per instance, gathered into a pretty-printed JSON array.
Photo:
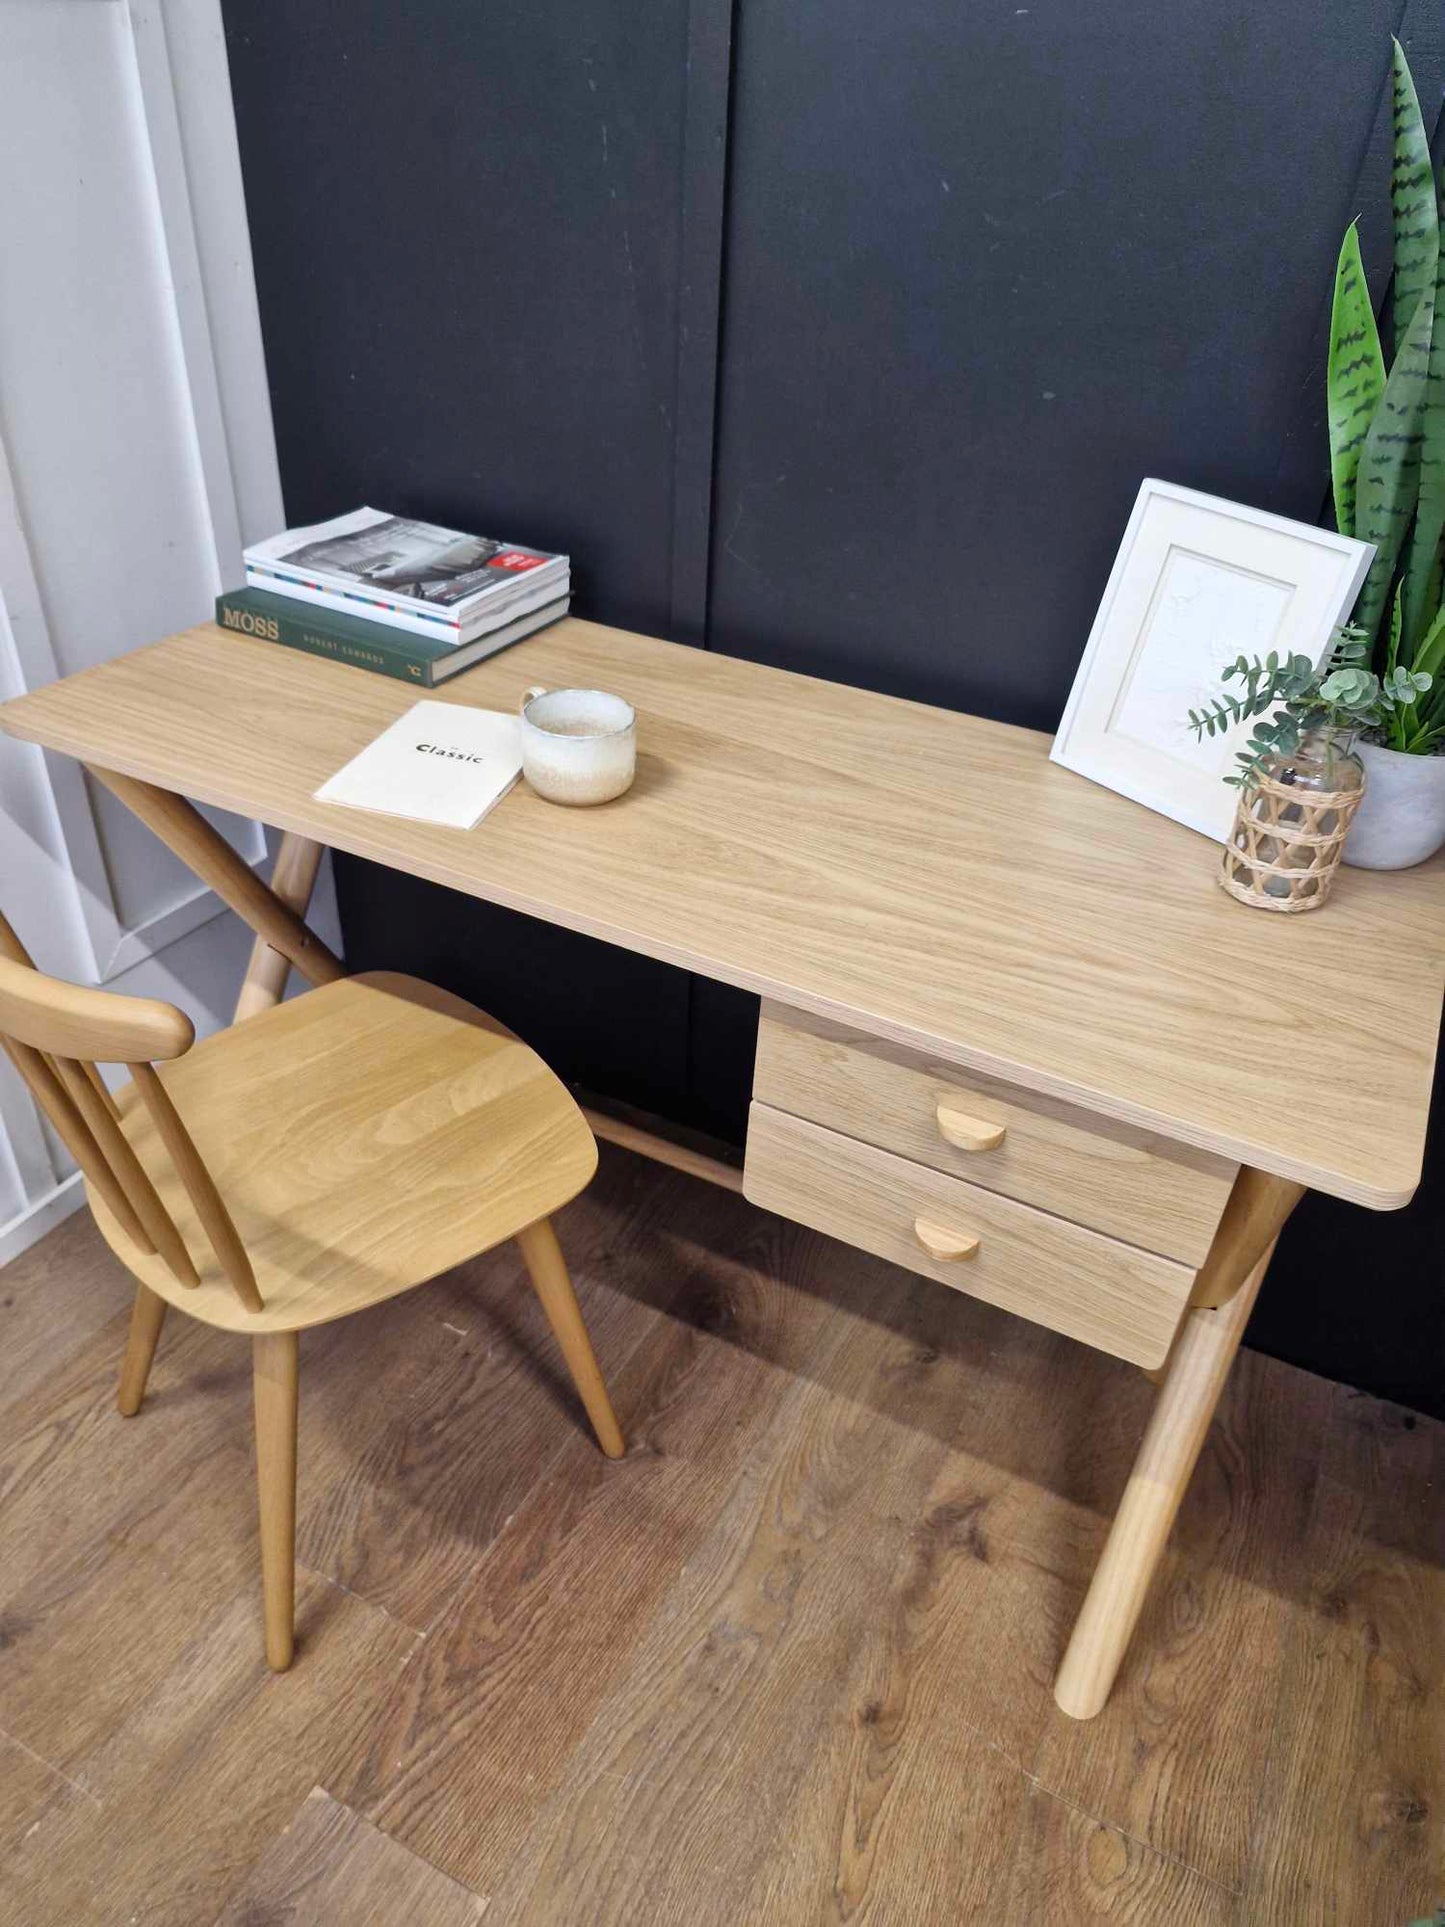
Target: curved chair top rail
[
  {"x": 72, "y": 1020},
  {"x": 55, "y": 1033}
]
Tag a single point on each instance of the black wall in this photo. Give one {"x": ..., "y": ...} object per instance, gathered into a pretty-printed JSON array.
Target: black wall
[{"x": 836, "y": 336}]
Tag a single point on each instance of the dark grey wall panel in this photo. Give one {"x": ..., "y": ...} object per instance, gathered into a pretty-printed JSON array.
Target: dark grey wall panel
[
  {"x": 988, "y": 266},
  {"x": 465, "y": 222}
]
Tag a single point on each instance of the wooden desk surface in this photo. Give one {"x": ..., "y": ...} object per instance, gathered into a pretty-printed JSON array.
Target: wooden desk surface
[{"x": 924, "y": 876}]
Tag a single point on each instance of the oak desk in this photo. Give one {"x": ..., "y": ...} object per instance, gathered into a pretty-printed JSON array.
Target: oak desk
[{"x": 1013, "y": 1034}]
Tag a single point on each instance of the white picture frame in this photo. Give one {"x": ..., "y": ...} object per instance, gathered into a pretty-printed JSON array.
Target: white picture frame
[{"x": 1197, "y": 582}]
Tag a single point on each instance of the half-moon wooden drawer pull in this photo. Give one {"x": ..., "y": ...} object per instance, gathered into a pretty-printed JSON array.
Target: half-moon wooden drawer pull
[
  {"x": 969, "y": 1133},
  {"x": 945, "y": 1245}
]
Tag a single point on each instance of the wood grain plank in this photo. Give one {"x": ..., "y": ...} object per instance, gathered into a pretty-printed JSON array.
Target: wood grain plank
[
  {"x": 190, "y": 1788},
  {"x": 894, "y": 1850},
  {"x": 1395, "y": 1459},
  {"x": 1350, "y": 1825},
  {"x": 106, "y": 1521},
  {"x": 785, "y": 791},
  {"x": 28, "y": 1789},
  {"x": 882, "y": 1510},
  {"x": 52, "y": 1299},
  {"x": 915, "y": 1658},
  {"x": 1194, "y": 1705},
  {"x": 483, "y": 1724},
  {"x": 682, "y": 1784},
  {"x": 1071, "y": 1868},
  {"x": 446, "y": 1406},
  {"x": 331, "y": 1868}
]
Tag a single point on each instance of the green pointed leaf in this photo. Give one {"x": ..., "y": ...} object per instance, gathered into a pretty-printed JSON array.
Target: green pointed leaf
[
  {"x": 1422, "y": 557},
  {"x": 1389, "y": 470},
  {"x": 1392, "y": 654},
  {"x": 1412, "y": 198},
  {"x": 1435, "y": 581},
  {"x": 1430, "y": 656},
  {"x": 1355, "y": 375}
]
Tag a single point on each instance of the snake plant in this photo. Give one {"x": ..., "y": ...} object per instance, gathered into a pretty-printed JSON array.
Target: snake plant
[{"x": 1387, "y": 428}]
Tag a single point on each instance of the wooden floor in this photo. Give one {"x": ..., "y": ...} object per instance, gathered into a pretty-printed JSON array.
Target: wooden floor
[{"x": 787, "y": 1663}]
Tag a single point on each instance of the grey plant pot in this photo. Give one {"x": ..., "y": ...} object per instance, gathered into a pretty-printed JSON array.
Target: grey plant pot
[{"x": 1401, "y": 818}]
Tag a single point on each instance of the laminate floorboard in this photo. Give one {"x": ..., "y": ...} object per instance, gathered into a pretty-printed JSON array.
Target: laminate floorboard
[
  {"x": 467, "y": 1403},
  {"x": 482, "y": 1728},
  {"x": 51, "y": 1303},
  {"x": 1352, "y": 1823},
  {"x": 788, "y": 1662},
  {"x": 1071, "y": 1868},
  {"x": 1195, "y": 1701},
  {"x": 331, "y": 1869}
]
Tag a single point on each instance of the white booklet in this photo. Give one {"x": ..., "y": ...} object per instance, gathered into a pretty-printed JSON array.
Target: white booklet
[{"x": 439, "y": 763}]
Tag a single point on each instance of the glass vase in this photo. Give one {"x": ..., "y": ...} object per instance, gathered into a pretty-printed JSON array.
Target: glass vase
[{"x": 1291, "y": 824}]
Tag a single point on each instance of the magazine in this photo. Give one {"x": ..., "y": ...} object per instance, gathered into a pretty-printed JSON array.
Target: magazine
[{"x": 441, "y": 579}]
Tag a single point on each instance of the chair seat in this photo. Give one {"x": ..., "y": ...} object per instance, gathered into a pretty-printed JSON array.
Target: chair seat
[{"x": 365, "y": 1137}]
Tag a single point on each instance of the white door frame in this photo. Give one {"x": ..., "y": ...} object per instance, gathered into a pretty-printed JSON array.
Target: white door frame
[{"x": 165, "y": 76}]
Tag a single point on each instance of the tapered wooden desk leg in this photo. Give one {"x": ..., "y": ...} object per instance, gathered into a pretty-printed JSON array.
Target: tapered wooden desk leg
[
  {"x": 207, "y": 854},
  {"x": 1194, "y": 1377},
  {"x": 293, "y": 878},
  {"x": 548, "y": 1271},
  {"x": 146, "y": 1318},
  {"x": 1198, "y": 1367},
  {"x": 274, "y": 1369}
]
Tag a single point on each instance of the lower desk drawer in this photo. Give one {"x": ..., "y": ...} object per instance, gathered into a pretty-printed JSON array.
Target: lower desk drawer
[{"x": 1113, "y": 1296}]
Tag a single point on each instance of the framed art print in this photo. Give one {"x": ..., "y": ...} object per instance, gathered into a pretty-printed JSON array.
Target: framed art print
[{"x": 1197, "y": 582}]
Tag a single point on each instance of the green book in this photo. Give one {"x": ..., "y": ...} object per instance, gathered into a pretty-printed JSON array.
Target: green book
[{"x": 370, "y": 645}]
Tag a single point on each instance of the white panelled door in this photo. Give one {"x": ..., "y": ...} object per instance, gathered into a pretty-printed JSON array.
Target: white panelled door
[{"x": 136, "y": 456}]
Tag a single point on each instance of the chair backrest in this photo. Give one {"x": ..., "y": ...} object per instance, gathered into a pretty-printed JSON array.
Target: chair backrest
[{"x": 55, "y": 1034}]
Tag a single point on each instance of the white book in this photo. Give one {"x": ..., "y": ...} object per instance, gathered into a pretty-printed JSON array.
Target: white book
[
  {"x": 439, "y": 763},
  {"x": 414, "y": 574},
  {"x": 528, "y": 596}
]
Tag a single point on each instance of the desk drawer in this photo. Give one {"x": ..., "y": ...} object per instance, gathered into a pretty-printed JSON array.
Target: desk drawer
[
  {"x": 1112, "y": 1296},
  {"x": 1111, "y": 1177}
]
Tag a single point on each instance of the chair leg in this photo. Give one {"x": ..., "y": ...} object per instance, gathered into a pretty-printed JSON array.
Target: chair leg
[
  {"x": 274, "y": 1370},
  {"x": 548, "y": 1271},
  {"x": 146, "y": 1318}
]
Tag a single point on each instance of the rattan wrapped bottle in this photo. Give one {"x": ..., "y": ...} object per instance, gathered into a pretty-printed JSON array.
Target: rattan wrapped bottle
[{"x": 1291, "y": 824}]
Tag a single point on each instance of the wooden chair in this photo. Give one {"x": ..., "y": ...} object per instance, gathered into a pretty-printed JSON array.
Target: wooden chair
[{"x": 317, "y": 1158}]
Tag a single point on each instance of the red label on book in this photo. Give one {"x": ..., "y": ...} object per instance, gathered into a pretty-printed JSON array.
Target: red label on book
[{"x": 514, "y": 559}]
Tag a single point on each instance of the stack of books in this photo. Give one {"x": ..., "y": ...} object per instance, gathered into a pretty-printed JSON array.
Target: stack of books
[{"x": 404, "y": 598}]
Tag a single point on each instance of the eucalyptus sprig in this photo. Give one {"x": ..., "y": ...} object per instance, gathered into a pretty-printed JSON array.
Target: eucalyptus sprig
[{"x": 1298, "y": 700}]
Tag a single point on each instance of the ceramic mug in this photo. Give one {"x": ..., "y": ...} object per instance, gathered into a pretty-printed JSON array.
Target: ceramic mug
[{"x": 578, "y": 745}]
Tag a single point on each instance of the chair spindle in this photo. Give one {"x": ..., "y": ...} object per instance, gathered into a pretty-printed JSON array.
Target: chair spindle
[
  {"x": 50, "y": 1094},
  {"x": 200, "y": 1186}
]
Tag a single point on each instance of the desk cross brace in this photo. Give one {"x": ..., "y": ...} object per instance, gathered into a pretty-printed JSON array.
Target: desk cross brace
[{"x": 1190, "y": 1381}]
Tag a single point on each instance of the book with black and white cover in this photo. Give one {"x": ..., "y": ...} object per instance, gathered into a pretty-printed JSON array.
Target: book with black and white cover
[
  {"x": 439, "y": 763},
  {"x": 409, "y": 574}
]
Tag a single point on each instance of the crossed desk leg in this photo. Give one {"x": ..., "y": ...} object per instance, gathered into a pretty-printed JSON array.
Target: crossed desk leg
[
  {"x": 275, "y": 914},
  {"x": 1193, "y": 1378}
]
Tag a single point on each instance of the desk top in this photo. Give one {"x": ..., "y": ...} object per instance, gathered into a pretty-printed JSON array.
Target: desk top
[{"x": 921, "y": 875}]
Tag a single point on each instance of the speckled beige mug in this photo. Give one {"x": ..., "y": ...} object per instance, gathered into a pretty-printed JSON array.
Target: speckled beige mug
[{"x": 578, "y": 745}]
